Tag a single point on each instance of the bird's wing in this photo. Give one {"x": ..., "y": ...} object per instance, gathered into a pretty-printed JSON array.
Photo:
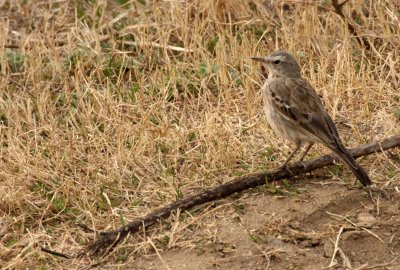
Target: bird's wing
[{"x": 297, "y": 101}]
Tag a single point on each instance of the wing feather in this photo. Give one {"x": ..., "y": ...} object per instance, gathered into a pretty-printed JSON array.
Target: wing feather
[{"x": 297, "y": 102}]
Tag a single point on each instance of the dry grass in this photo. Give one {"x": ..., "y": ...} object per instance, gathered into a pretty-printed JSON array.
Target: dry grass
[{"x": 109, "y": 110}]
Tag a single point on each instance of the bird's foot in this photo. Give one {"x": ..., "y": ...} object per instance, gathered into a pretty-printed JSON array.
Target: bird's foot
[
  {"x": 285, "y": 167},
  {"x": 302, "y": 164}
]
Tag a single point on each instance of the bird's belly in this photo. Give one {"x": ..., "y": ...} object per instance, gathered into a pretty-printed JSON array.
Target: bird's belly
[{"x": 286, "y": 129}]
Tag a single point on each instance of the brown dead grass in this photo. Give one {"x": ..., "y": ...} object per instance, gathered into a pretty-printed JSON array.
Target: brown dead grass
[{"x": 108, "y": 111}]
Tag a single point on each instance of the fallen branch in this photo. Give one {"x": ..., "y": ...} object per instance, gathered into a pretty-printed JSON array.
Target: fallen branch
[{"x": 108, "y": 240}]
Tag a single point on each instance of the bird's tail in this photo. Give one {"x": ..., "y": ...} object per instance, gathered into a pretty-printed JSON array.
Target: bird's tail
[{"x": 358, "y": 171}]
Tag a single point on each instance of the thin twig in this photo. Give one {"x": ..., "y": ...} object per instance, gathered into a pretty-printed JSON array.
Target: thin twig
[
  {"x": 346, "y": 259},
  {"x": 157, "y": 45},
  {"x": 158, "y": 254},
  {"x": 336, "y": 248},
  {"x": 373, "y": 234},
  {"x": 340, "y": 217},
  {"x": 56, "y": 253}
]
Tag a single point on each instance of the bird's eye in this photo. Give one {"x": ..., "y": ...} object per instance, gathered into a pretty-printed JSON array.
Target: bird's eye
[{"x": 277, "y": 62}]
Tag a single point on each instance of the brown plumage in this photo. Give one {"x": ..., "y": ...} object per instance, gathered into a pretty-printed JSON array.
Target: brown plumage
[{"x": 295, "y": 112}]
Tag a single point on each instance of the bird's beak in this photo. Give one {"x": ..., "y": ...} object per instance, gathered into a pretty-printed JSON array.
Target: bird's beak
[{"x": 260, "y": 59}]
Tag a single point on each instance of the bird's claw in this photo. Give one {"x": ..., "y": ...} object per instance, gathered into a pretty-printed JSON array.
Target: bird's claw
[{"x": 284, "y": 167}]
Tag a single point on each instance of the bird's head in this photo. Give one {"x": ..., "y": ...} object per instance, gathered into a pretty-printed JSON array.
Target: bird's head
[{"x": 280, "y": 63}]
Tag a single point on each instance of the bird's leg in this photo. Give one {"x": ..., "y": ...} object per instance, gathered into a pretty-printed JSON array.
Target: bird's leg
[
  {"x": 306, "y": 151},
  {"x": 283, "y": 166}
]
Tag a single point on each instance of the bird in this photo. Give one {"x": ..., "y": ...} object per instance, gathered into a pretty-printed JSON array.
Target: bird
[{"x": 295, "y": 112}]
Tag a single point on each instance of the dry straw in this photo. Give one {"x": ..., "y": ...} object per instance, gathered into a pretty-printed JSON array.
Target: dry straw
[{"x": 110, "y": 109}]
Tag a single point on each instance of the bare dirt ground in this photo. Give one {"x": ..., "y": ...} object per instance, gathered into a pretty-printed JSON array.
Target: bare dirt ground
[
  {"x": 112, "y": 109},
  {"x": 302, "y": 230}
]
